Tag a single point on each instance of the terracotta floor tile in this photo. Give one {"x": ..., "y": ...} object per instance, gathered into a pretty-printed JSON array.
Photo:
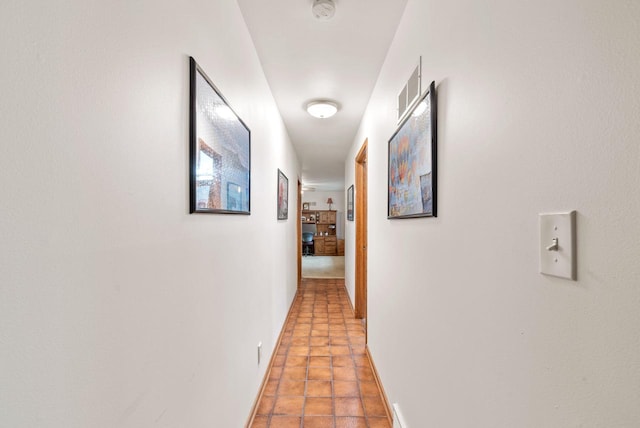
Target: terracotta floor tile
[
  {"x": 319, "y": 351},
  {"x": 318, "y": 406},
  {"x": 271, "y": 387},
  {"x": 296, "y": 361},
  {"x": 358, "y": 349},
  {"x": 275, "y": 374},
  {"x": 285, "y": 422},
  {"x": 300, "y": 341},
  {"x": 351, "y": 423},
  {"x": 344, "y": 373},
  {"x": 291, "y": 387},
  {"x": 340, "y": 350},
  {"x": 365, "y": 373},
  {"x": 339, "y": 340},
  {"x": 319, "y": 361},
  {"x": 369, "y": 388},
  {"x": 361, "y": 360},
  {"x": 299, "y": 350},
  {"x": 318, "y": 388},
  {"x": 286, "y": 405},
  {"x": 266, "y": 405},
  {"x": 348, "y": 406},
  {"x": 301, "y": 332},
  {"x": 344, "y": 388},
  {"x": 374, "y": 406},
  {"x": 293, "y": 373},
  {"x": 285, "y": 340},
  {"x": 319, "y": 373},
  {"x": 320, "y": 341},
  {"x": 260, "y": 422},
  {"x": 318, "y": 422},
  {"x": 342, "y": 361},
  {"x": 379, "y": 423}
]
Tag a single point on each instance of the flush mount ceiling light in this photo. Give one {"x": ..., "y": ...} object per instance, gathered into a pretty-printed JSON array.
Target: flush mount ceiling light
[
  {"x": 323, "y": 10},
  {"x": 322, "y": 109}
]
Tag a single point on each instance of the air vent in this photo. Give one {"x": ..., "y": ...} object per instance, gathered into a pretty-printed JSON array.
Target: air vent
[{"x": 410, "y": 92}]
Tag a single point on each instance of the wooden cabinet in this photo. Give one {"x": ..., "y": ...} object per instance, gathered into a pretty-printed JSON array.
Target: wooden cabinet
[
  {"x": 325, "y": 245},
  {"x": 324, "y": 220},
  {"x": 330, "y": 245}
]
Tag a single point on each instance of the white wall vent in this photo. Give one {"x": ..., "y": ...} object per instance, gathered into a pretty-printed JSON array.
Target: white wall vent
[{"x": 410, "y": 92}]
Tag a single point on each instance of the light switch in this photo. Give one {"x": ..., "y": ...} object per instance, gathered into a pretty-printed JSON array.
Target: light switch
[{"x": 558, "y": 244}]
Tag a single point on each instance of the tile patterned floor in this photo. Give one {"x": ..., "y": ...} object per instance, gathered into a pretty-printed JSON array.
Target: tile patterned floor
[{"x": 321, "y": 376}]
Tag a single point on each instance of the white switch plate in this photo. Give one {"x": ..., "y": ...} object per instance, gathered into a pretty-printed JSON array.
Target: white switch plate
[{"x": 560, "y": 262}]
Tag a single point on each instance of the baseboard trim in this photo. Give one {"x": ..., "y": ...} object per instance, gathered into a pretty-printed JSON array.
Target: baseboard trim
[
  {"x": 265, "y": 380},
  {"x": 380, "y": 387}
]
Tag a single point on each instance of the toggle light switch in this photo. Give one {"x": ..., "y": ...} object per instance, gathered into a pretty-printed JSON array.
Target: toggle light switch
[{"x": 558, "y": 244}]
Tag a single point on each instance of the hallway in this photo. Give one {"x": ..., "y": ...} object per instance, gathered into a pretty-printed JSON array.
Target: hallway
[{"x": 321, "y": 374}]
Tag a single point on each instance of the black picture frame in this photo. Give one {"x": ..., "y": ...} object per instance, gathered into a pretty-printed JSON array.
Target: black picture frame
[
  {"x": 412, "y": 162},
  {"x": 219, "y": 150},
  {"x": 283, "y": 196},
  {"x": 350, "y": 203}
]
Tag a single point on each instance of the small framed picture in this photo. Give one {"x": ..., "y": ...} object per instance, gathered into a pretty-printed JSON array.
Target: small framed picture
[
  {"x": 283, "y": 196},
  {"x": 305, "y": 206},
  {"x": 350, "y": 203}
]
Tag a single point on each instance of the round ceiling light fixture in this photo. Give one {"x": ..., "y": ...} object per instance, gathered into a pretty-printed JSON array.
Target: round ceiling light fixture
[
  {"x": 322, "y": 109},
  {"x": 323, "y": 10}
]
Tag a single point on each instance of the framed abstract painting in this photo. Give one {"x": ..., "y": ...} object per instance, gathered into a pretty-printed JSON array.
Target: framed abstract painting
[
  {"x": 412, "y": 169},
  {"x": 219, "y": 151}
]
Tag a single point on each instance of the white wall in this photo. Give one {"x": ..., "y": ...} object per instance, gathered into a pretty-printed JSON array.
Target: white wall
[
  {"x": 538, "y": 112},
  {"x": 117, "y": 307},
  {"x": 320, "y": 199}
]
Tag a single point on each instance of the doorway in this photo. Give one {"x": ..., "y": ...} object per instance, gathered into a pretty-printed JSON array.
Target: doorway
[{"x": 361, "y": 235}]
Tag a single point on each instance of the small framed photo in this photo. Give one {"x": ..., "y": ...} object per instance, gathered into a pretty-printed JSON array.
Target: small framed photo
[
  {"x": 412, "y": 165},
  {"x": 350, "y": 203},
  {"x": 283, "y": 196},
  {"x": 305, "y": 206},
  {"x": 219, "y": 151}
]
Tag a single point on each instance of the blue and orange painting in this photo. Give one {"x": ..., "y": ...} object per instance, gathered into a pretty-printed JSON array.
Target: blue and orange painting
[{"x": 410, "y": 166}]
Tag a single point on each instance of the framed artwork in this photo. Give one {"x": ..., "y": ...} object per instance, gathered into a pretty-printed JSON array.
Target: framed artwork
[
  {"x": 305, "y": 206},
  {"x": 412, "y": 162},
  {"x": 350, "y": 203},
  {"x": 219, "y": 151},
  {"x": 283, "y": 196}
]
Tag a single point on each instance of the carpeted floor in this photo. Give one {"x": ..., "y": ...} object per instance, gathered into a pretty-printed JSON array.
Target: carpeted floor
[{"x": 323, "y": 267}]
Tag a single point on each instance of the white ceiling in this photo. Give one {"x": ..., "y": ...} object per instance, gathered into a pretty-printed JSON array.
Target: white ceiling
[{"x": 305, "y": 59}]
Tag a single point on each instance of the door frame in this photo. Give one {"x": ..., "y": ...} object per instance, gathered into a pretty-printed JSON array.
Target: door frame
[
  {"x": 361, "y": 233},
  {"x": 299, "y": 233}
]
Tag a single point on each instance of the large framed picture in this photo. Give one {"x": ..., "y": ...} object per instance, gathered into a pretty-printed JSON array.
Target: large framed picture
[
  {"x": 283, "y": 196},
  {"x": 412, "y": 174},
  {"x": 350, "y": 203},
  {"x": 219, "y": 151}
]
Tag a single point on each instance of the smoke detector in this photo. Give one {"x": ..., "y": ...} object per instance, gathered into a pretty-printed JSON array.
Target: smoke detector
[{"x": 323, "y": 10}]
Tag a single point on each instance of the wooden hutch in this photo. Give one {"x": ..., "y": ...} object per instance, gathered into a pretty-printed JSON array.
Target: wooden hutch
[{"x": 325, "y": 241}]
